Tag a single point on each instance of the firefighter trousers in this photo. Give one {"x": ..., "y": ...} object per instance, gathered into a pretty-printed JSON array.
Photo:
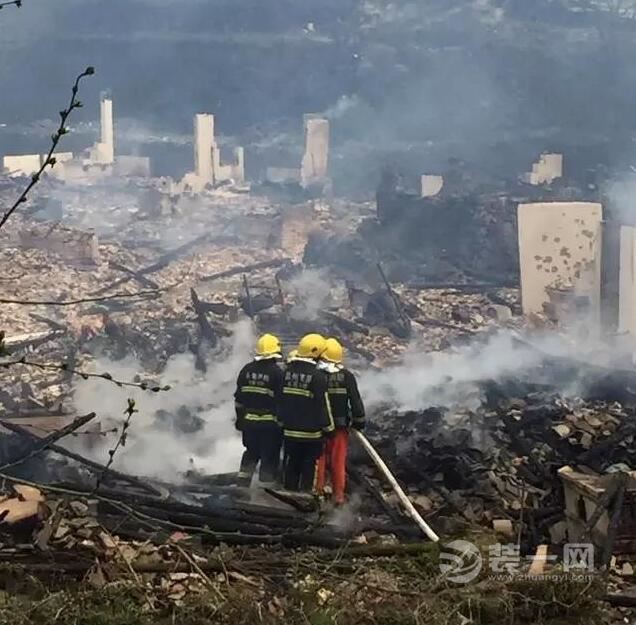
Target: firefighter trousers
[
  {"x": 262, "y": 442},
  {"x": 301, "y": 458},
  {"x": 334, "y": 462}
]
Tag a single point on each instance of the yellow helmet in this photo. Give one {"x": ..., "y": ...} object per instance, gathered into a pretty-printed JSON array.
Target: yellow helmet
[
  {"x": 268, "y": 345},
  {"x": 311, "y": 346},
  {"x": 292, "y": 354},
  {"x": 333, "y": 352}
]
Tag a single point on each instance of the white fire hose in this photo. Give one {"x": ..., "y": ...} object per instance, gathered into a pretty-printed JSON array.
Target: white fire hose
[{"x": 406, "y": 502}]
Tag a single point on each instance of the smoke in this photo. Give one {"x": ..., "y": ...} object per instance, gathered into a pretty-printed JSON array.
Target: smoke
[
  {"x": 312, "y": 291},
  {"x": 452, "y": 378},
  {"x": 343, "y": 106},
  {"x": 402, "y": 81},
  {"x": 621, "y": 195},
  {"x": 155, "y": 449}
]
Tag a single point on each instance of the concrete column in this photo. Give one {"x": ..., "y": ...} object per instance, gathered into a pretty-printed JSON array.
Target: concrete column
[
  {"x": 203, "y": 146},
  {"x": 107, "y": 130},
  {"x": 627, "y": 281},
  {"x": 315, "y": 161}
]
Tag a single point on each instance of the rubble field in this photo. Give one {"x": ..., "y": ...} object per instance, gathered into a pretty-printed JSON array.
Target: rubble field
[{"x": 139, "y": 327}]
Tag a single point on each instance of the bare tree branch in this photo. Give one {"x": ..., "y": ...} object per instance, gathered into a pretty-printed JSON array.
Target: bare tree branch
[
  {"x": 71, "y": 302},
  {"x": 17, "y": 3},
  {"x": 144, "y": 386},
  {"x": 121, "y": 441},
  {"x": 49, "y": 160}
]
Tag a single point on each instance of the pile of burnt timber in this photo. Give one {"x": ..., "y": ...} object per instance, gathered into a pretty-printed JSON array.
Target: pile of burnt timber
[
  {"x": 137, "y": 508},
  {"x": 501, "y": 461}
]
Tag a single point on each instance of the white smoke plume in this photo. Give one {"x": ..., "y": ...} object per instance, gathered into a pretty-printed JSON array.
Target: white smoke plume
[
  {"x": 153, "y": 450},
  {"x": 451, "y": 378},
  {"x": 621, "y": 193},
  {"x": 312, "y": 292}
]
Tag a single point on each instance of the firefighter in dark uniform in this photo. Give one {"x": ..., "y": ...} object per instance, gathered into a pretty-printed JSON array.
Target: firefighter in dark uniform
[
  {"x": 257, "y": 391},
  {"x": 348, "y": 411},
  {"x": 304, "y": 414}
]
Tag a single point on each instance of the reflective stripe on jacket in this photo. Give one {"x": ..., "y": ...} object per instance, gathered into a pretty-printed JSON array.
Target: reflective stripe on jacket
[{"x": 304, "y": 409}]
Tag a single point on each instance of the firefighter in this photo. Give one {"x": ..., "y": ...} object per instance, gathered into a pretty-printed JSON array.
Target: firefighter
[
  {"x": 304, "y": 414},
  {"x": 348, "y": 411},
  {"x": 257, "y": 391}
]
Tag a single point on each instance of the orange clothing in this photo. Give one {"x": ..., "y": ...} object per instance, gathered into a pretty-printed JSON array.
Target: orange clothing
[{"x": 334, "y": 458}]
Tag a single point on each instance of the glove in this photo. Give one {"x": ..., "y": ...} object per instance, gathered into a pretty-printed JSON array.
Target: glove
[
  {"x": 359, "y": 425},
  {"x": 240, "y": 418}
]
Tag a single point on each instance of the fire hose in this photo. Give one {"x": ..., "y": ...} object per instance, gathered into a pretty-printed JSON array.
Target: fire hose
[{"x": 406, "y": 502}]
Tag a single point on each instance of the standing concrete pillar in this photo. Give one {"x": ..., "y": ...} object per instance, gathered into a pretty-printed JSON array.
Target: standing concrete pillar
[
  {"x": 107, "y": 143},
  {"x": 314, "y": 167},
  {"x": 203, "y": 146}
]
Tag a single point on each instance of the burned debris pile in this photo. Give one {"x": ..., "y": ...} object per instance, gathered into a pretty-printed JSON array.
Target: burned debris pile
[
  {"x": 501, "y": 460},
  {"x": 144, "y": 303}
]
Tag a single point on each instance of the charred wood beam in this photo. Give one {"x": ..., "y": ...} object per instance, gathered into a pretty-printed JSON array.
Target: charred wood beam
[
  {"x": 243, "y": 269},
  {"x": 207, "y": 331},
  {"x": 91, "y": 464},
  {"x": 346, "y": 325},
  {"x": 234, "y": 511},
  {"x": 33, "y": 339},
  {"x": 625, "y": 599},
  {"x": 134, "y": 274},
  {"x": 163, "y": 261},
  {"x": 50, "y": 322},
  {"x": 248, "y": 296},
  {"x": 302, "y": 504},
  {"x": 38, "y": 445},
  {"x": 376, "y": 493},
  {"x": 436, "y": 323},
  {"x": 365, "y": 353},
  {"x": 216, "y": 524},
  {"x": 404, "y": 319}
]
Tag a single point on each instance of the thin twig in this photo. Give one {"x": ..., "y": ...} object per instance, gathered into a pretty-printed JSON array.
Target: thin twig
[
  {"x": 191, "y": 561},
  {"x": 83, "y": 374},
  {"x": 49, "y": 159},
  {"x": 17, "y": 3},
  {"x": 44, "y": 443},
  {"x": 129, "y": 566},
  {"x": 121, "y": 441},
  {"x": 85, "y": 300}
]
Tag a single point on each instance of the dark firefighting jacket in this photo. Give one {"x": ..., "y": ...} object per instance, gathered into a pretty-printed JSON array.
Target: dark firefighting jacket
[
  {"x": 346, "y": 404},
  {"x": 304, "y": 411},
  {"x": 257, "y": 390}
]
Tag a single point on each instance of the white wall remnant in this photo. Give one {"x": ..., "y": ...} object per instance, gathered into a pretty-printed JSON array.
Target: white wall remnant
[
  {"x": 203, "y": 144},
  {"x": 548, "y": 168},
  {"x": 95, "y": 163},
  {"x": 103, "y": 152},
  {"x": 431, "y": 185},
  {"x": 208, "y": 167},
  {"x": 234, "y": 170},
  {"x": 560, "y": 258},
  {"x": 627, "y": 281},
  {"x": 29, "y": 164},
  {"x": 315, "y": 163}
]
